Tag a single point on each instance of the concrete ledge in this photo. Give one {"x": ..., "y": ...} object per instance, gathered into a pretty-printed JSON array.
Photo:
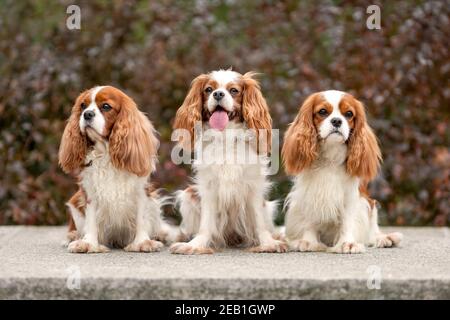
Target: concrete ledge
[{"x": 35, "y": 266}]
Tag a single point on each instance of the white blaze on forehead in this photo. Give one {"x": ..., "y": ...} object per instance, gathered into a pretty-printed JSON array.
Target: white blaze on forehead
[
  {"x": 98, "y": 121},
  {"x": 223, "y": 77},
  {"x": 333, "y": 97},
  {"x": 94, "y": 93}
]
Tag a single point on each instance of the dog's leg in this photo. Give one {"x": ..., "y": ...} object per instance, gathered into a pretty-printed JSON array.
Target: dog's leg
[
  {"x": 301, "y": 234},
  {"x": 266, "y": 241},
  {"x": 74, "y": 231},
  {"x": 346, "y": 240},
  {"x": 168, "y": 233},
  {"x": 142, "y": 241},
  {"x": 89, "y": 242},
  {"x": 76, "y": 206},
  {"x": 208, "y": 227},
  {"x": 382, "y": 240},
  {"x": 188, "y": 203},
  {"x": 308, "y": 242}
]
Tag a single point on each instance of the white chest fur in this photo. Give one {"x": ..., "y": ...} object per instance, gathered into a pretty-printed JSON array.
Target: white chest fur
[
  {"x": 320, "y": 193},
  {"x": 113, "y": 194},
  {"x": 230, "y": 166}
]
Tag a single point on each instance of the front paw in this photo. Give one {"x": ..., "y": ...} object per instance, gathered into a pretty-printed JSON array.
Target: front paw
[
  {"x": 388, "y": 240},
  {"x": 275, "y": 246},
  {"x": 81, "y": 246},
  {"x": 306, "y": 246},
  {"x": 347, "y": 247},
  {"x": 144, "y": 246},
  {"x": 186, "y": 248}
]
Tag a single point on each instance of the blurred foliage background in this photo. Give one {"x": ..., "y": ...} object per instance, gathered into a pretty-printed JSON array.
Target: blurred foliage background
[{"x": 153, "y": 49}]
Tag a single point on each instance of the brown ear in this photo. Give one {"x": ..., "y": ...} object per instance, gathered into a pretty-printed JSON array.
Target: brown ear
[
  {"x": 300, "y": 146},
  {"x": 256, "y": 112},
  {"x": 132, "y": 143},
  {"x": 364, "y": 155},
  {"x": 190, "y": 111},
  {"x": 73, "y": 147}
]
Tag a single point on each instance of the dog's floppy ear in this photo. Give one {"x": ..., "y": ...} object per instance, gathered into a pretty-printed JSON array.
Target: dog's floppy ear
[
  {"x": 190, "y": 111},
  {"x": 300, "y": 146},
  {"x": 133, "y": 144},
  {"x": 364, "y": 155},
  {"x": 256, "y": 112},
  {"x": 73, "y": 147}
]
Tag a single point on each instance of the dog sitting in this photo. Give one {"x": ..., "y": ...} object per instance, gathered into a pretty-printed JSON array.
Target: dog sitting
[
  {"x": 333, "y": 154},
  {"x": 226, "y": 205},
  {"x": 110, "y": 147}
]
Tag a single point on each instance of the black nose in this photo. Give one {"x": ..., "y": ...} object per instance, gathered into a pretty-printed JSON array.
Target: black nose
[
  {"x": 336, "y": 122},
  {"x": 88, "y": 115},
  {"x": 218, "y": 95}
]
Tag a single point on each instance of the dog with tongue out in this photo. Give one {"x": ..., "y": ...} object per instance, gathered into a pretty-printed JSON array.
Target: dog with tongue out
[
  {"x": 219, "y": 119},
  {"x": 226, "y": 206}
]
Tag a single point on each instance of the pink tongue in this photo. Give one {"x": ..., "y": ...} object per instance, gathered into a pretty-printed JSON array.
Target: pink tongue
[{"x": 218, "y": 120}]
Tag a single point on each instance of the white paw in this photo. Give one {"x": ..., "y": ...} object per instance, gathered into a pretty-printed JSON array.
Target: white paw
[
  {"x": 144, "y": 246},
  {"x": 275, "y": 246},
  {"x": 279, "y": 236},
  {"x": 306, "y": 246},
  {"x": 347, "y": 247},
  {"x": 81, "y": 246},
  {"x": 388, "y": 240},
  {"x": 186, "y": 248}
]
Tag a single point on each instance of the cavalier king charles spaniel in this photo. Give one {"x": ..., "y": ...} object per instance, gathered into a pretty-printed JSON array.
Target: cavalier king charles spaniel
[
  {"x": 226, "y": 205},
  {"x": 110, "y": 147},
  {"x": 333, "y": 154}
]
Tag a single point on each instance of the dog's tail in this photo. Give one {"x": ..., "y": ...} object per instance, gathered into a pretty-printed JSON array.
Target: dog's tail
[
  {"x": 187, "y": 202},
  {"x": 167, "y": 232},
  {"x": 278, "y": 232},
  {"x": 272, "y": 209}
]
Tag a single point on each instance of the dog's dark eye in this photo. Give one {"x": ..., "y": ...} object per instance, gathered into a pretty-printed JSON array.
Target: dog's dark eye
[
  {"x": 234, "y": 91},
  {"x": 208, "y": 90},
  {"x": 106, "y": 107},
  {"x": 83, "y": 106},
  {"x": 323, "y": 112},
  {"x": 348, "y": 114}
]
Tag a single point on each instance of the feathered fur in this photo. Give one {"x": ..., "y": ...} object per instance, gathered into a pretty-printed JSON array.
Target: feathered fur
[
  {"x": 110, "y": 147},
  {"x": 226, "y": 205},
  {"x": 333, "y": 154}
]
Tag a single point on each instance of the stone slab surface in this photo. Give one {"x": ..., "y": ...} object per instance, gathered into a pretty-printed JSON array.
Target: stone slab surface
[{"x": 34, "y": 265}]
